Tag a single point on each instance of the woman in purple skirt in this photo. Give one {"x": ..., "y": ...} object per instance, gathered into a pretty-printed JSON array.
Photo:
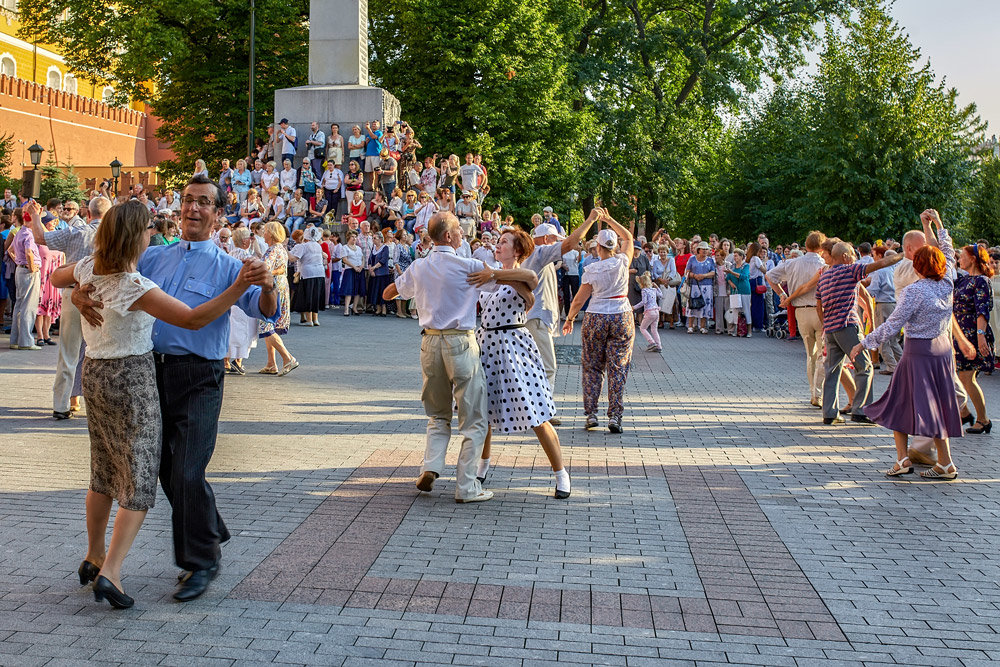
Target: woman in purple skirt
[{"x": 920, "y": 399}]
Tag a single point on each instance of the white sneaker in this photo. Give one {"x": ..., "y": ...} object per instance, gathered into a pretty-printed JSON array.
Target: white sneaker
[{"x": 483, "y": 496}]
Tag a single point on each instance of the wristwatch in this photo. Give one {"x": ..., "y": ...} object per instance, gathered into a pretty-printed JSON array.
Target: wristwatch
[{"x": 981, "y": 332}]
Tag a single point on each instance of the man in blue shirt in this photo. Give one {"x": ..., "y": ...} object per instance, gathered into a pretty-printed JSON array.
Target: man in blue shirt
[
  {"x": 373, "y": 149},
  {"x": 190, "y": 375},
  {"x": 883, "y": 292}
]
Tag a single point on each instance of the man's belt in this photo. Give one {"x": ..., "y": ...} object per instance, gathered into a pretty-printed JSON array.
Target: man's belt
[
  {"x": 161, "y": 358},
  {"x": 446, "y": 332}
]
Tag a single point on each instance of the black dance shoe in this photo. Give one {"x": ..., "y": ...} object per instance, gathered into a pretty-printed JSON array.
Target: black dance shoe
[
  {"x": 88, "y": 572},
  {"x": 105, "y": 590},
  {"x": 195, "y": 583}
]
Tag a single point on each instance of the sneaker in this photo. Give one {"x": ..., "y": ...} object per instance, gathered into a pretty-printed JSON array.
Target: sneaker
[
  {"x": 483, "y": 496},
  {"x": 749, "y": 335},
  {"x": 237, "y": 368},
  {"x": 591, "y": 422},
  {"x": 30, "y": 347},
  {"x": 615, "y": 425},
  {"x": 834, "y": 421}
]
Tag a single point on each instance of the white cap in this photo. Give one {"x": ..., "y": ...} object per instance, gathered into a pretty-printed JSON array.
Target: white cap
[
  {"x": 607, "y": 238},
  {"x": 547, "y": 209},
  {"x": 545, "y": 229}
]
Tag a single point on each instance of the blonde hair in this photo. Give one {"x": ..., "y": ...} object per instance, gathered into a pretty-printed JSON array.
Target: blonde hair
[
  {"x": 276, "y": 230},
  {"x": 200, "y": 163},
  {"x": 118, "y": 242},
  {"x": 645, "y": 280},
  {"x": 240, "y": 235}
]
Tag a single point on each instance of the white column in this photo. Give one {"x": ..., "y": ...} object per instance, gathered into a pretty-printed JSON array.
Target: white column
[{"x": 338, "y": 42}]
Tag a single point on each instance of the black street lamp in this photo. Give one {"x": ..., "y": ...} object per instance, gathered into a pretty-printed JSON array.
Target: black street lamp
[
  {"x": 250, "y": 109},
  {"x": 36, "y": 157},
  {"x": 116, "y": 171}
]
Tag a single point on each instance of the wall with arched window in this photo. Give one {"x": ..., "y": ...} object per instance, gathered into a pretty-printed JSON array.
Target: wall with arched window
[
  {"x": 107, "y": 94},
  {"x": 69, "y": 84},
  {"x": 8, "y": 65},
  {"x": 54, "y": 78}
]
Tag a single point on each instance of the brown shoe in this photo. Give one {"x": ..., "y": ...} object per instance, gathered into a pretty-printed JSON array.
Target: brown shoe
[
  {"x": 426, "y": 481},
  {"x": 917, "y": 457}
]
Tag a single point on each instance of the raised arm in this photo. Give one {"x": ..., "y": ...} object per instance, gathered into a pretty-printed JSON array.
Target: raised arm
[
  {"x": 882, "y": 263},
  {"x": 573, "y": 239},
  {"x": 625, "y": 235}
]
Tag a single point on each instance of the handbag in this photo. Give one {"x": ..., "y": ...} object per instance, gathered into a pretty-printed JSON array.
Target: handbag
[
  {"x": 686, "y": 290},
  {"x": 697, "y": 301},
  {"x": 674, "y": 280},
  {"x": 760, "y": 289},
  {"x": 735, "y": 303}
]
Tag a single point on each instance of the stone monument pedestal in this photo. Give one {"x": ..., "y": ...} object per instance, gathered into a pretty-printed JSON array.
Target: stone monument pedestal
[{"x": 346, "y": 105}]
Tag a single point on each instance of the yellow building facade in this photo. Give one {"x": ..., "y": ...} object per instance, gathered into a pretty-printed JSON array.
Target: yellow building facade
[{"x": 42, "y": 100}]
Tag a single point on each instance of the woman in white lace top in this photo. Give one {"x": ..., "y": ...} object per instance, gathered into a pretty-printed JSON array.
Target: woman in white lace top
[{"x": 119, "y": 385}]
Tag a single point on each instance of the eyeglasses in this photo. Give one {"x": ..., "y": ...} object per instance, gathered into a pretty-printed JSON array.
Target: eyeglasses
[{"x": 201, "y": 201}]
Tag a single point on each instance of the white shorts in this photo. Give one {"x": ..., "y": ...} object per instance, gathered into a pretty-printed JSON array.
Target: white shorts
[{"x": 372, "y": 162}]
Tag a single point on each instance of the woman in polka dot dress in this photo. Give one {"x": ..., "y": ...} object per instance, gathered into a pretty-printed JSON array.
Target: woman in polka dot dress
[{"x": 519, "y": 393}]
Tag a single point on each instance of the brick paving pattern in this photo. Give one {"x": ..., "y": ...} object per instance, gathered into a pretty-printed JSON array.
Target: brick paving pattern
[{"x": 726, "y": 526}]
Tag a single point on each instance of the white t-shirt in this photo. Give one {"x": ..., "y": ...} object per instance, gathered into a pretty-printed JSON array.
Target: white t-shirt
[
  {"x": 609, "y": 280},
  {"x": 470, "y": 175},
  {"x": 288, "y": 178},
  {"x": 310, "y": 256},
  {"x": 286, "y": 145},
  {"x": 353, "y": 255},
  {"x": 123, "y": 333},
  {"x": 268, "y": 180},
  {"x": 338, "y": 252},
  {"x": 571, "y": 262}
]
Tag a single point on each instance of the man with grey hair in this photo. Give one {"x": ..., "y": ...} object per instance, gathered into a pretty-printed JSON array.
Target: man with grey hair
[{"x": 77, "y": 242}]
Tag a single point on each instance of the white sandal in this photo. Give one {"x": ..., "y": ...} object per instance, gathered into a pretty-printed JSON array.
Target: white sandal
[
  {"x": 947, "y": 472},
  {"x": 900, "y": 469}
]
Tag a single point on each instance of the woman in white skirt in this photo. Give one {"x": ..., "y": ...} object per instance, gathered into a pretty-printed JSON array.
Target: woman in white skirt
[
  {"x": 242, "y": 328},
  {"x": 517, "y": 388}
]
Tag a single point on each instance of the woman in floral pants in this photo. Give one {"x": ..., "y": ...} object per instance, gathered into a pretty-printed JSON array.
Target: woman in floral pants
[{"x": 609, "y": 325}]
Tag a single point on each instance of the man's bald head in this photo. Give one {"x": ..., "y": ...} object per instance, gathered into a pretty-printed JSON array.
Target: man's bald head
[
  {"x": 842, "y": 253},
  {"x": 444, "y": 229},
  {"x": 913, "y": 241}
]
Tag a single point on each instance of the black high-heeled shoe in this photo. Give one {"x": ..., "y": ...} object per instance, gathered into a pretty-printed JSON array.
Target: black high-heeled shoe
[
  {"x": 88, "y": 572},
  {"x": 980, "y": 428},
  {"x": 105, "y": 590},
  {"x": 968, "y": 419}
]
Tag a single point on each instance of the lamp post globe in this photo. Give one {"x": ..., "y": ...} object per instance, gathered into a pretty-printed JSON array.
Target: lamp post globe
[
  {"x": 116, "y": 171},
  {"x": 36, "y": 157}
]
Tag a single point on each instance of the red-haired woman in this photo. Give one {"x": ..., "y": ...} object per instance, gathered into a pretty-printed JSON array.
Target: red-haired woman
[
  {"x": 519, "y": 395},
  {"x": 920, "y": 399},
  {"x": 973, "y": 303}
]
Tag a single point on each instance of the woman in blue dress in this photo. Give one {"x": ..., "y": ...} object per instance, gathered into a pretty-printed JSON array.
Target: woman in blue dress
[
  {"x": 700, "y": 272},
  {"x": 379, "y": 274}
]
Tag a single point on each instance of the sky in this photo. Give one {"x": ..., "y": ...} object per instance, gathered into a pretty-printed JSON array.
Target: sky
[{"x": 962, "y": 40}]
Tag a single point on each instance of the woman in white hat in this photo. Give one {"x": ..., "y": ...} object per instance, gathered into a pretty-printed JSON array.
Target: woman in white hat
[
  {"x": 609, "y": 325},
  {"x": 700, "y": 272}
]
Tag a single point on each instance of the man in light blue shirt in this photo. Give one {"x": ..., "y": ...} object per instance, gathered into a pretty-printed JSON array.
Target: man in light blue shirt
[
  {"x": 883, "y": 293},
  {"x": 190, "y": 375}
]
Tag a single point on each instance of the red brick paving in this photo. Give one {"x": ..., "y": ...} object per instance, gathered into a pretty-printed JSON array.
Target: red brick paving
[{"x": 752, "y": 583}]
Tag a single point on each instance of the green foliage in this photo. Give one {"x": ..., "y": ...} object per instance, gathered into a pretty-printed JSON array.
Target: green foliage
[
  {"x": 60, "y": 183},
  {"x": 492, "y": 77},
  {"x": 984, "y": 213},
  {"x": 189, "y": 60},
  {"x": 858, "y": 151},
  {"x": 6, "y": 155}
]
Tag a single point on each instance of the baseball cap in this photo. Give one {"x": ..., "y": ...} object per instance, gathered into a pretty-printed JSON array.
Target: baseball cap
[
  {"x": 545, "y": 229},
  {"x": 607, "y": 238},
  {"x": 547, "y": 209},
  {"x": 283, "y": 121}
]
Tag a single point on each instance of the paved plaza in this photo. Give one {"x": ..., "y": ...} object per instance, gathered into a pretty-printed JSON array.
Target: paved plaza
[{"x": 726, "y": 525}]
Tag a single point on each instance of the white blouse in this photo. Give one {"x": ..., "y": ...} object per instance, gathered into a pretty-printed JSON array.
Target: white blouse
[
  {"x": 609, "y": 280},
  {"x": 310, "y": 256},
  {"x": 123, "y": 333}
]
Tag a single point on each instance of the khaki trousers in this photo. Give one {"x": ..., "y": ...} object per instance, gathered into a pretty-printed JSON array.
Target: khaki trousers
[
  {"x": 70, "y": 341},
  {"x": 543, "y": 339},
  {"x": 809, "y": 327},
  {"x": 452, "y": 371}
]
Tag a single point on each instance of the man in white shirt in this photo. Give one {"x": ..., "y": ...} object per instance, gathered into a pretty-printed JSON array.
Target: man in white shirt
[
  {"x": 316, "y": 143},
  {"x": 485, "y": 252},
  {"x": 286, "y": 137},
  {"x": 796, "y": 273},
  {"x": 471, "y": 174},
  {"x": 543, "y": 318},
  {"x": 449, "y": 356}
]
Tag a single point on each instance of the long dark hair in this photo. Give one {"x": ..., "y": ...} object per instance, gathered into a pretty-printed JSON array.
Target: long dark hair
[{"x": 982, "y": 258}]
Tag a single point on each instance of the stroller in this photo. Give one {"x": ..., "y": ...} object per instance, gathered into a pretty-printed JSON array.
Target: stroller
[{"x": 778, "y": 326}]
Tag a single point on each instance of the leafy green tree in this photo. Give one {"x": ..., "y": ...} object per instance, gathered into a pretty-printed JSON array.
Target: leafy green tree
[
  {"x": 189, "y": 60},
  {"x": 492, "y": 77},
  {"x": 984, "y": 213},
  {"x": 6, "y": 155},
  {"x": 60, "y": 183}
]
